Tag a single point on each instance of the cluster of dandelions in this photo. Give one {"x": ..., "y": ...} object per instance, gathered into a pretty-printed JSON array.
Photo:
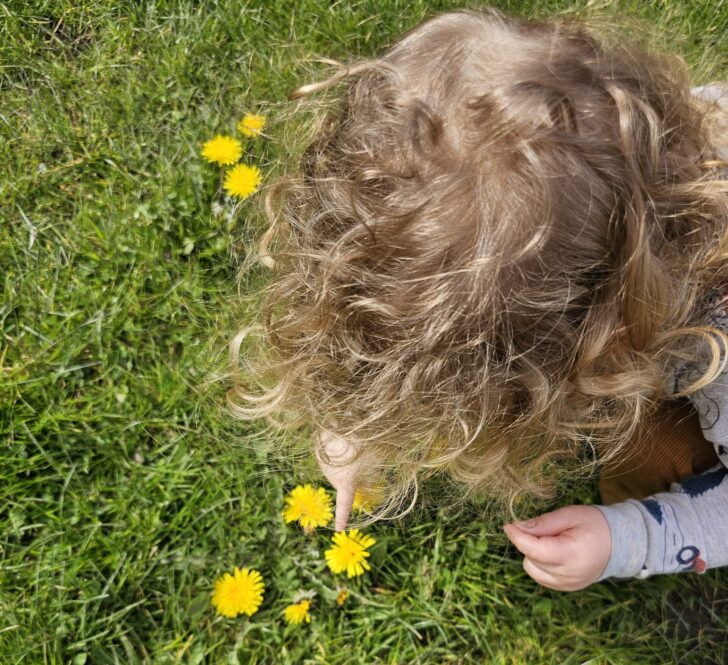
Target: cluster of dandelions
[
  {"x": 240, "y": 180},
  {"x": 242, "y": 591},
  {"x": 311, "y": 508}
]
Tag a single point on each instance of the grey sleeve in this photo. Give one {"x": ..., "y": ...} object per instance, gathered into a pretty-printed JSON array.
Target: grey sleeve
[{"x": 685, "y": 529}]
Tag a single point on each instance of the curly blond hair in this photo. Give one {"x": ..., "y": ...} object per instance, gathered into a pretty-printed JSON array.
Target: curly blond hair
[{"x": 498, "y": 245}]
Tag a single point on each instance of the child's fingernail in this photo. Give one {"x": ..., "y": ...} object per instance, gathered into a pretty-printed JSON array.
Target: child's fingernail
[{"x": 527, "y": 525}]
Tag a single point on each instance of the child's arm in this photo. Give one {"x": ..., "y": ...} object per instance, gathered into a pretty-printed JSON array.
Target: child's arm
[
  {"x": 685, "y": 529},
  {"x": 678, "y": 531}
]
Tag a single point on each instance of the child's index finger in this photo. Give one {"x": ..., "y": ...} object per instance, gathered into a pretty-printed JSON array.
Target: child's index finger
[
  {"x": 546, "y": 549},
  {"x": 344, "y": 502}
]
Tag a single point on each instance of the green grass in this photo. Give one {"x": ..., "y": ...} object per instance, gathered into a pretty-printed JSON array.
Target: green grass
[{"x": 125, "y": 489}]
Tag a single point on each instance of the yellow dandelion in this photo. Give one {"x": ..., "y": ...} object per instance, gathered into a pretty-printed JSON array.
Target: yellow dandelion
[
  {"x": 298, "y": 612},
  {"x": 310, "y": 506},
  {"x": 349, "y": 553},
  {"x": 242, "y": 180},
  {"x": 223, "y": 150},
  {"x": 365, "y": 502},
  {"x": 239, "y": 593},
  {"x": 341, "y": 597},
  {"x": 251, "y": 124}
]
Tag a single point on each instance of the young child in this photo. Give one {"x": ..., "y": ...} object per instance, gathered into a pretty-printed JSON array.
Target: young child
[{"x": 508, "y": 240}]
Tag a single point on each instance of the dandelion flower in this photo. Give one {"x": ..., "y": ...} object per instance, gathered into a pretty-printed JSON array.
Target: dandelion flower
[
  {"x": 251, "y": 125},
  {"x": 310, "y": 506},
  {"x": 242, "y": 180},
  {"x": 349, "y": 553},
  {"x": 364, "y": 502},
  {"x": 223, "y": 150},
  {"x": 239, "y": 593},
  {"x": 298, "y": 612},
  {"x": 341, "y": 597}
]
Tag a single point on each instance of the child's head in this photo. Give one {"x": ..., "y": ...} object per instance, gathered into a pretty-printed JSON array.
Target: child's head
[{"x": 493, "y": 247}]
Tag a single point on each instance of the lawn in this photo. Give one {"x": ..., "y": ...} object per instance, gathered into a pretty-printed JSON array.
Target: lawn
[{"x": 126, "y": 489}]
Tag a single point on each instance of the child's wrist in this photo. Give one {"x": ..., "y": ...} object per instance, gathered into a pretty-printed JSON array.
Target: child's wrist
[{"x": 629, "y": 540}]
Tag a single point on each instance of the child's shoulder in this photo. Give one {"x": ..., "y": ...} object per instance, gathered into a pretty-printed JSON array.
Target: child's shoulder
[
  {"x": 716, "y": 307},
  {"x": 713, "y": 92},
  {"x": 715, "y": 97},
  {"x": 684, "y": 372}
]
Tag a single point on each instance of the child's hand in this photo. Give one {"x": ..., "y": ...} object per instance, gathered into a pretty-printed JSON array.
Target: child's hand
[
  {"x": 567, "y": 549},
  {"x": 342, "y": 478}
]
